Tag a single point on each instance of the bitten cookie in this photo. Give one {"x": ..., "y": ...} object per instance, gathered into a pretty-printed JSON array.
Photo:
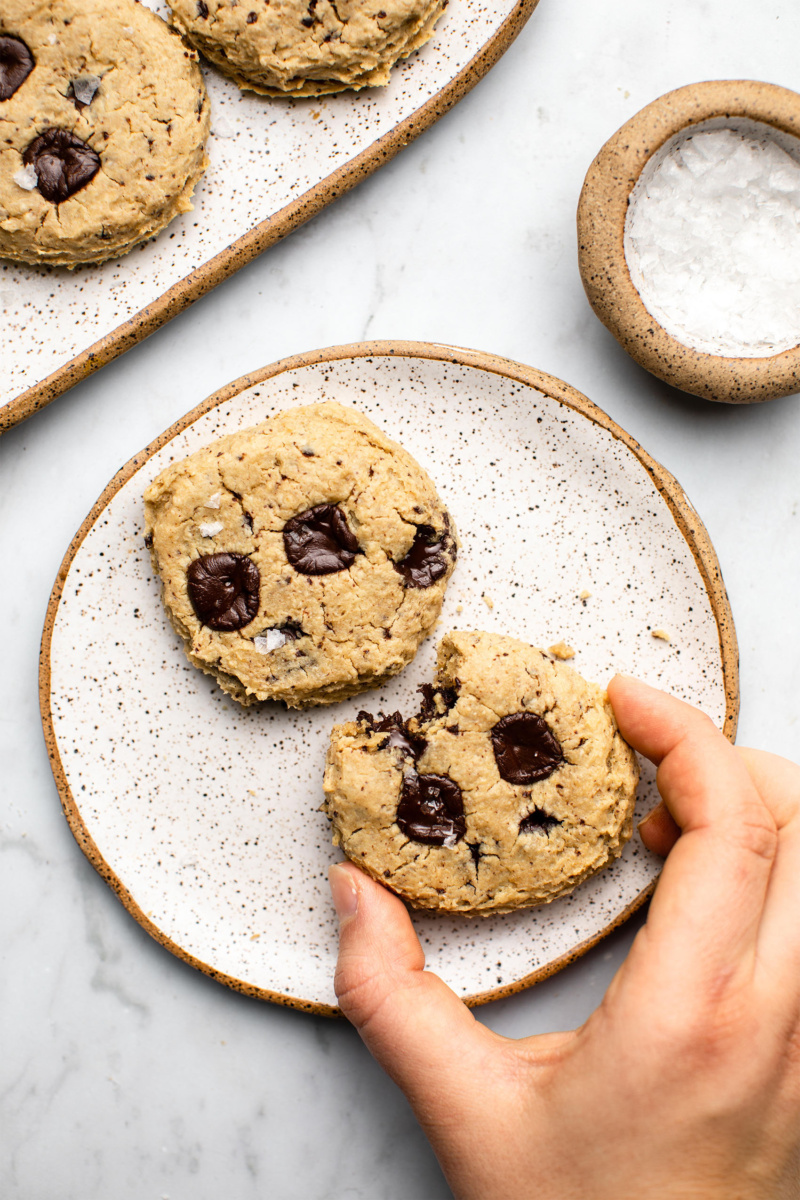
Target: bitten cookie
[
  {"x": 302, "y": 560},
  {"x": 307, "y": 47},
  {"x": 103, "y": 120},
  {"x": 511, "y": 787}
]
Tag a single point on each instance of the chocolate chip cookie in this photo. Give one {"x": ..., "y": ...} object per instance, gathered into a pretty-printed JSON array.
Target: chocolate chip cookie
[
  {"x": 307, "y": 47},
  {"x": 103, "y": 120},
  {"x": 302, "y": 560},
  {"x": 509, "y": 788}
]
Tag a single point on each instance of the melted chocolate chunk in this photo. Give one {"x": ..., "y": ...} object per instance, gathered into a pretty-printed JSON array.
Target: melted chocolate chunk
[
  {"x": 538, "y": 819},
  {"x": 202, "y": 9},
  {"x": 63, "y": 163},
  {"x": 427, "y": 560},
  {"x": 429, "y": 710},
  {"x": 319, "y": 541},
  {"x": 224, "y": 590},
  {"x": 16, "y": 64},
  {"x": 431, "y": 810},
  {"x": 400, "y": 736},
  {"x": 524, "y": 748}
]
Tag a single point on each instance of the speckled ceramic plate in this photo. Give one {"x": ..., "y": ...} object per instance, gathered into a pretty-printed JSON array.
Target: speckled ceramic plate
[
  {"x": 274, "y": 164},
  {"x": 203, "y": 816}
]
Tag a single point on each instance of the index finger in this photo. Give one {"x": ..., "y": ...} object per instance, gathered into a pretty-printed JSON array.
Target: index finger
[{"x": 707, "y": 908}]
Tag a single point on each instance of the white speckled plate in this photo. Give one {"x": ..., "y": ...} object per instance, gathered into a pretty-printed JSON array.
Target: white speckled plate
[
  {"x": 274, "y": 164},
  {"x": 203, "y": 816}
]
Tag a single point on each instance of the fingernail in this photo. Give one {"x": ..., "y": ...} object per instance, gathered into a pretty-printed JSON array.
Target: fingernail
[
  {"x": 343, "y": 891},
  {"x": 644, "y": 820}
]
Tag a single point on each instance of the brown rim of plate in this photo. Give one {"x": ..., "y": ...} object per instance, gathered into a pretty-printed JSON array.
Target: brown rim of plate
[
  {"x": 602, "y": 210},
  {"x": 267, "y": 232},
  {"x": 682, "y": 511}
]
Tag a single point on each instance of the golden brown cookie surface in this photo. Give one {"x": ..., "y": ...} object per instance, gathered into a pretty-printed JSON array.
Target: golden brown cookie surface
[
  {"x": 307, "y": 47},
  {"x": 302, "y": 560},
  {"x": 512, "y": 787},
  {"x": 103, "y": 121}
]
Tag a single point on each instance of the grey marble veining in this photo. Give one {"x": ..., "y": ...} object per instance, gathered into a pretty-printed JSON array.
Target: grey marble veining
[{"x": 125, "y": 1075}]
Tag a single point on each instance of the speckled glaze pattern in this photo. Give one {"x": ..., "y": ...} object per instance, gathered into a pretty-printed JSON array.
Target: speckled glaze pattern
[
  {"x": 204, "y": 816},
  {"x": 273, "y": 165},
  {"x": 602, "y": 211}
]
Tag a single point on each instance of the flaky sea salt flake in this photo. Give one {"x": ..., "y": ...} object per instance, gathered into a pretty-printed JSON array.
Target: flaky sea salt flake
[
  {"x": 210, "y": 529},
  {"x": 26, "y": 178}
]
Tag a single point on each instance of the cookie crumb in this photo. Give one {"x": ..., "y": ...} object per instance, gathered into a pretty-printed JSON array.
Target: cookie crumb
[
  {"x": 662, "y": 634},
  {"x": 459, "y": 609},
  {"x": 487, "y": 600},
  {"x": 562, "y": 650},
  {"x": 254, "y": 937},
  {"x": 584, "y": 595},
  {"x": 210, "y": 529}
]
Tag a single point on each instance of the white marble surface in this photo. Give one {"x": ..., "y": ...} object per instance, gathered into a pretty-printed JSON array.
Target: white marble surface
[{"x": 124, "y": 1074}]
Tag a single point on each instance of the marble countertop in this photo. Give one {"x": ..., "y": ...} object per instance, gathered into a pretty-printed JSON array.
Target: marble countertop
[{"x": 126, "y": 1075}]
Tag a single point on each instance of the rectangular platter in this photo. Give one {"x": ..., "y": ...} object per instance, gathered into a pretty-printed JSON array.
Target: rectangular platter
[{"x": 274, "y": 164}]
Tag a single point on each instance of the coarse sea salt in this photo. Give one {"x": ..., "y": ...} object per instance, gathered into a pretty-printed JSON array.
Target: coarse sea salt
[
  {"x": 210, "y": 529},
  {"x": 26, "y": 178},
  {"x": 271, "y": 639},
  {"x": 712, "y": 240}
]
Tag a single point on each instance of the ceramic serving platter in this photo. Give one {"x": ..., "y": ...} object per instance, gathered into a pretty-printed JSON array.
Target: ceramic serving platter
[
  {"x": 203, "y": 816},
  {"x": 274, "y": 164}
]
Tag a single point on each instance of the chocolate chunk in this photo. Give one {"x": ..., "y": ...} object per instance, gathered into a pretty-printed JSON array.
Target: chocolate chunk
[
  {"x": 224, "y": 590},
  {"x": 538, "y": 819},
  {"x": 63, "y": 163},
  {"x": 202, "y": 9},
  {"x": 16, "y": 64},
  {"x": 429, "y": 709},
  {"x": 319, "y": 541},
  {"x": 431, "y": 810},
  {"x": 400, "y": 736},
  {"x": 524, "y": 748},
  {"x": 426, "y": 561}
]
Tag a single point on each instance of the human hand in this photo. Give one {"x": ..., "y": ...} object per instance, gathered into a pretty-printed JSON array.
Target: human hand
[{"x": 686, "y": 1080}]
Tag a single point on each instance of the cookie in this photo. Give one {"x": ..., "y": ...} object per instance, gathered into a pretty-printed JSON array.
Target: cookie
[
  {"x": 511, "y": 786},
  {"x": 302, "y": 560},
  {"x": 307, "y": 47},
  {"x": 103, "y": 120}
]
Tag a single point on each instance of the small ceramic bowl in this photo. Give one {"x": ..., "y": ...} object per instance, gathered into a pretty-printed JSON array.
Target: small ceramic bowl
[{"x": 614, "y": 184}]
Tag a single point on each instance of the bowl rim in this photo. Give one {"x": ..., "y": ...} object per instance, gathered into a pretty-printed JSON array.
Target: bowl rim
[{"x": 602, "y": 210}]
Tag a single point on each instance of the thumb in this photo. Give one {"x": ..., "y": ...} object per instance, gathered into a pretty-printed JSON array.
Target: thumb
[{"x": 423, "y": 1036}]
